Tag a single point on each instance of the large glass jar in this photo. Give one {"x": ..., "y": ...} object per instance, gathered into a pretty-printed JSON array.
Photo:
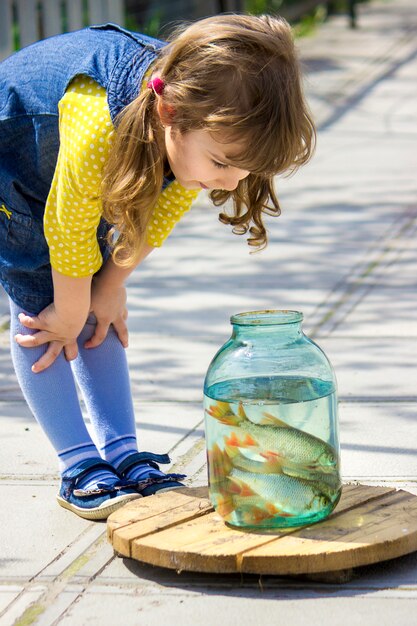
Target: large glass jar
[{"x": 270, "y": 403}]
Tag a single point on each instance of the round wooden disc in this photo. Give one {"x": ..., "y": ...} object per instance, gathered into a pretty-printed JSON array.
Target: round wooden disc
[{"x": 180, "y": 530}]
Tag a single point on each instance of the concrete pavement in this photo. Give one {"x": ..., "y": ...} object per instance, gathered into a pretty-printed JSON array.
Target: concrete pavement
[{"x": 344, "y": 253}]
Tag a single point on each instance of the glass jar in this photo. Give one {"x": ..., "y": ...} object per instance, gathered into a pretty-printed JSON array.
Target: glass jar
[{"x": 270, "y": 404}]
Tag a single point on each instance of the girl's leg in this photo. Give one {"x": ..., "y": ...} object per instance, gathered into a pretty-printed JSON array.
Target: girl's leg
[
  {"x": 103, "y": 376},
  {"x": 52, "y": 398}
]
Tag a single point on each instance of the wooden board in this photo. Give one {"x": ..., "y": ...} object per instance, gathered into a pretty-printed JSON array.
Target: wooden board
[{"x": 180, "y": 530}]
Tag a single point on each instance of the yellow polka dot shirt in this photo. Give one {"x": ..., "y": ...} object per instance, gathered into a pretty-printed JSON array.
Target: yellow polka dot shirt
[{"x": 73, "y": 208}]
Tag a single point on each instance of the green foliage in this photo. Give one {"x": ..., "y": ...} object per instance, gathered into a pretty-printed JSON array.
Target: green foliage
[
  {"x": 304, "y": 26},
  {"x": 15, "y": 37},
  {"x": 257, "y": 7},
  {"x": 308, "y": 23},
  {"x": 151, "y": 27}
]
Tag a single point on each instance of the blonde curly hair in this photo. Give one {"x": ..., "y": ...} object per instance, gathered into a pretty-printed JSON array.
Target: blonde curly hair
[{"x": 236, "y": 74}]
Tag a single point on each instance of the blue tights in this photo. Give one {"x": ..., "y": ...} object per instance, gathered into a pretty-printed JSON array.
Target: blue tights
[{"x": 102, "y": 376}]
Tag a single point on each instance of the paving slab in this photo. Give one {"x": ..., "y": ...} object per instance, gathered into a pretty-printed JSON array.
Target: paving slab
[
  {"x": 28, "y": 454},
  {"x": 386, "y": 311},
  {"x": 23, "y": 602},
  {"x": 50, "y": 614},
  {"x": 241, "y": 608},
  {"x": 366, "y": 367},
  {"x": 35, "y": 530},
  {"x": 8, "y": 593},
  {"x": 372, "y": 368},
  {"x": 378, "y": 440}
]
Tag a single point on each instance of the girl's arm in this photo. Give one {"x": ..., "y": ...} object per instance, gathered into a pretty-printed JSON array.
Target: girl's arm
[
  {"x": 61, "y": 322},
  {"x": 108, "y": 299}
]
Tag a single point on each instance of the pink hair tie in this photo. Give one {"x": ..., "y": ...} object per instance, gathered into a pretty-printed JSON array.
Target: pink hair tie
[{"x": 157, "y": 84}]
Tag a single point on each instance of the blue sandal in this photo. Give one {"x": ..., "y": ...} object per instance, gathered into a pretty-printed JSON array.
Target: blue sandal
[
  {"x": 96, "y": 504},
  {"x": 151, "y": 482}
]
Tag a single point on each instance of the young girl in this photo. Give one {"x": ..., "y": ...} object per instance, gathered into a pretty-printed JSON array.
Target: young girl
[{"x": 106, "y": 137}]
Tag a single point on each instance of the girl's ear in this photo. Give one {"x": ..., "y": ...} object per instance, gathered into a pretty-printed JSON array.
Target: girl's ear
[{"x": 166, "y": 112}]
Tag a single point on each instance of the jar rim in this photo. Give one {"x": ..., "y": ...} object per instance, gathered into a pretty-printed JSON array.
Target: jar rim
[{"x": 268, "y": 317}]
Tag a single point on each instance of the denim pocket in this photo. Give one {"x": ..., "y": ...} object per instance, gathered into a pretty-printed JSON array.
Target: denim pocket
[
  {"x": 23, "y": 244},
  {"x": 19, "y": 228}
]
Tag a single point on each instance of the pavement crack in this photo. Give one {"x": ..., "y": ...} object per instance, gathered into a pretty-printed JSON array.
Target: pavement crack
[
  {"x": 350, "y": 291},
  {"x": 190, "y": 455},
  {"x": 60, "y": 582},
  {"x": 361, "y": 82}
]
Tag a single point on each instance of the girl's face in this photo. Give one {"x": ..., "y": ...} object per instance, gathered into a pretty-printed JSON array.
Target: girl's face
[{"x": 199, "y": 161}]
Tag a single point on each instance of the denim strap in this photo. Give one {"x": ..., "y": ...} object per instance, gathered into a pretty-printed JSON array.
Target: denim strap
[{"x": 142, "y": 457}]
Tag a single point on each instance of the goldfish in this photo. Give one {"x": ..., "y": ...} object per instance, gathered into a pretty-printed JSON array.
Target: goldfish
[
  {"x": 223, "y": 412},
  {"x": 219, "y": 464},
  {"x": 250, "y": 508},
  {"x": 254, "y": 516},
  {"x": 250, "y": 514},
  {"x": 292, "y": 447}
]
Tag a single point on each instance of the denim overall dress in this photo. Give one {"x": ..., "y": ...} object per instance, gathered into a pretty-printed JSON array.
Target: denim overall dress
[{"x": 32, "y": 82}]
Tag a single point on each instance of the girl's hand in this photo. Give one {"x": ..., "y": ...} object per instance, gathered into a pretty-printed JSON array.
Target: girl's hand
[
  {"x": 108, "y": 303},
  {"x": 57, "y": 331},
  {"x": 108, "y": 299}
]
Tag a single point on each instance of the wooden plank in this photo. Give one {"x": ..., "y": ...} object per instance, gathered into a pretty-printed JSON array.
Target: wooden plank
[
  {"x": 173, "y": 548},
  {"x": 6, "y": 29},
  {"x": 378, "y": 530},
  {"x": 51, "y": 17},
  {"x": 355, "y": 494},
  {"x": 179, "y": 530},
  {"x": 97, "y": 13},
  {"x": 116, "y": 12},
  {"x": 331, "y": 578},
  {"x": 207, "y": 544},
  {"x": 141, "y": 509},
  {"x": 145, "y": 508},
  {"x": 74, "y": 14},
  {"x": 27, "y": 15},
  {"x": 102, "y": 11},
  {"x": 122, "y": 539}
]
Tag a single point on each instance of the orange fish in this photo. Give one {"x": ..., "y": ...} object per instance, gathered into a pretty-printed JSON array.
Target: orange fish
[
  {"x": 251, "y": 509},
  {"x": 219, "y": 465},
  {"x": 255, "y": 515},
  {"x": 224, "y": 414}
]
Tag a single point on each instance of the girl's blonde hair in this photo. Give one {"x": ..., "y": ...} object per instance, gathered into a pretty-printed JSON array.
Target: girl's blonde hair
[{"x": 235, "y": 74}]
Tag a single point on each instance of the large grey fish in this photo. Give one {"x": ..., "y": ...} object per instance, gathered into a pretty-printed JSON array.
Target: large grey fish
[
  {"x": 256, "y": 462},
  {"x": 288, "y": 495},
  {"x": 275, "y": 439}
]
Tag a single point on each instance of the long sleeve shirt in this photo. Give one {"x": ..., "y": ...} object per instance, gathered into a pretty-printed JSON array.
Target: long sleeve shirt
[{"x": 74, "y": 207}]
